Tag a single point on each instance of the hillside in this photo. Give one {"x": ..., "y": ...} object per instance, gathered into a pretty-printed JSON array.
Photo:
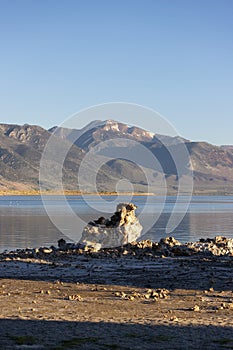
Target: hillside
[{"x": 21, "y": 148}]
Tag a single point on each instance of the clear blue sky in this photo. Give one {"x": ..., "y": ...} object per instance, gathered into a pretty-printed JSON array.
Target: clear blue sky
[{"x": 59, "y": 56}]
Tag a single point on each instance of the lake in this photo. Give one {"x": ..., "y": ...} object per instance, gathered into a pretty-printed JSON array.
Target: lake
[{"x": 24, "y": 221}]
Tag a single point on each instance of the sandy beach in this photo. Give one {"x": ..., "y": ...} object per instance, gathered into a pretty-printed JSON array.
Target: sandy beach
[{"x": 52, "y": 299}]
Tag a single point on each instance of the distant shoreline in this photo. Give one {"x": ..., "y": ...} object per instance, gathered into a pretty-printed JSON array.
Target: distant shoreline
[
  {"x": 77, "y": 193},
  {"x": 71, "y": 193}
]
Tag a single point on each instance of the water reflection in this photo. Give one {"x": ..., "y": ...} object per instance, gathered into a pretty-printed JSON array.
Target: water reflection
[
  {"x": 24, "y": 222},
  {"x": 22, "y": 231}
]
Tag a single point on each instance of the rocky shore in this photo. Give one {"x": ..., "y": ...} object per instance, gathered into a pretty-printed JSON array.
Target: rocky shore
[
  {"x": 166, "y": 247},
  {"x": 142, "y": 295}
]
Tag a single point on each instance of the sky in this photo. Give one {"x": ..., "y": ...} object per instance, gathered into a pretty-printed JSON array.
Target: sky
[{"x": 174, "y": 56}]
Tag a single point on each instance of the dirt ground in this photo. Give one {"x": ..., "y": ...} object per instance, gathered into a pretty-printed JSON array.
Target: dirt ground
[{"x": 80, "y": 302}]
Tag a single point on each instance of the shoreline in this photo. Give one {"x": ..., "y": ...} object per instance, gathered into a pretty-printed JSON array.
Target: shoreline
[
  {"x": 106, "y": 194},
  {"x": 72, "y": 193},
  {"x": 146, "y": 295}
]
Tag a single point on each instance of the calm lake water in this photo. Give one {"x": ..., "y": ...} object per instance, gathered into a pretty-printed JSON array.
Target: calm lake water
[{"x": 24, "y": 221}]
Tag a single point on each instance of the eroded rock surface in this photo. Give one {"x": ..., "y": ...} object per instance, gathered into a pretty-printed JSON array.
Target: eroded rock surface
[{"x": 122, "y": 228}]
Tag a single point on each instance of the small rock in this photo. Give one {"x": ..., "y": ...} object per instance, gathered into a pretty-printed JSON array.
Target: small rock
[
  {"x": 75, "y": 297},
  {"x": 147, "y": 296},
  {"x": 174, "y": 319},
  {"x": 47, "y": 250},
  {"x": 196, "y": 308},
  {"x": 225, "y": 306}
]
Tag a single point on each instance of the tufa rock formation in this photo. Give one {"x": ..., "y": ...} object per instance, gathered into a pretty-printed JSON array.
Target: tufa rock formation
[{"x": 122, "y": 228}]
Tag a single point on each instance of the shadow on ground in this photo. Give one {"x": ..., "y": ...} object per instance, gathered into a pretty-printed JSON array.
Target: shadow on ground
[{"x": 59, "y": 335}]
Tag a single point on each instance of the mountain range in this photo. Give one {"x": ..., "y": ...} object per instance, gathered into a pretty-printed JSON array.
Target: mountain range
[{"x": 22, "y": 146}]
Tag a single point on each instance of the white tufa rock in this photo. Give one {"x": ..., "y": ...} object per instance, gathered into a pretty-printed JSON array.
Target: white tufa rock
[{"x": 122, "y": 228}]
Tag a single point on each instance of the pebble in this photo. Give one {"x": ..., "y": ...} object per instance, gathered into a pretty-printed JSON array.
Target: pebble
[
  {"x": 225, "y": 306},
  {"x": 174, "y": 319},
  {"x": 196, "y": 308},
  {"x": 148, "y": 295},
  {"x": 47, "y": 250},
  {"x": 75, "y": 297}
]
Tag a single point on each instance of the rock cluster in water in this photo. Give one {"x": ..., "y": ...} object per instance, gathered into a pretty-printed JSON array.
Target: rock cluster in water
[{"x": 122, "y": 228}]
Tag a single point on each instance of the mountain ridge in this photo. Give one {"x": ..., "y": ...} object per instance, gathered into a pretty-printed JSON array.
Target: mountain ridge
[{"x": 22, "y": 146}]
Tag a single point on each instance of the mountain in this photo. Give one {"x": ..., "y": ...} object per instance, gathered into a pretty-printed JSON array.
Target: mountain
[
  {"x": 21, "y": 149},
  {"x": 227, "y": 147},
  {"x": 22, "y": 146},
  {"x": 98, "y": 131},
  {"x": 20, "y": 153},
  {"x": 212, "y": 165}
]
